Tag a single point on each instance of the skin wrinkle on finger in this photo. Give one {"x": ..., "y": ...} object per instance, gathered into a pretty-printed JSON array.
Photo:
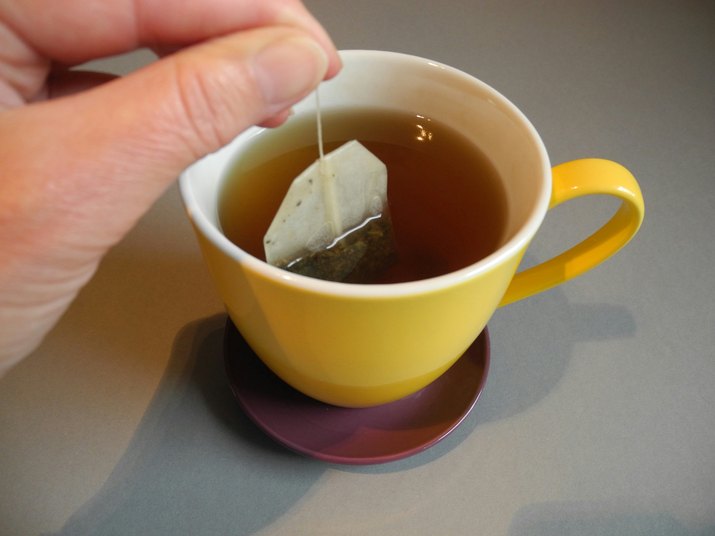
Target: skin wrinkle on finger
[
  {"x": 202, "y": 99},
  {"x": 215, "y": 90}
]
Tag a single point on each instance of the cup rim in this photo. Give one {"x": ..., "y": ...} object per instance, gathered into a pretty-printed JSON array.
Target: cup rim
[{"x": 511, "y": 247}]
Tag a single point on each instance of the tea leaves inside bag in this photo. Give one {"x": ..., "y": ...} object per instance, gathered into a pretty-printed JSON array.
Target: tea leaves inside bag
[{"x": 334, "y": 221}]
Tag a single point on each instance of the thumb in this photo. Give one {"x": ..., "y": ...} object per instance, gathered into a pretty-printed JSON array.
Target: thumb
[
  {"x": 198, "y": 99},
  {"x": 118, "y": 146}
]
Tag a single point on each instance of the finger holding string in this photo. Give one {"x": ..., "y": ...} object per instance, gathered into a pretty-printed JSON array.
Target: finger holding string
[{"x": 37, "y": 36}]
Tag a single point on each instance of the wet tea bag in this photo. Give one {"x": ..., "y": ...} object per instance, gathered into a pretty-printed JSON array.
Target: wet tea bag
[{"x": 334, "y": 222}]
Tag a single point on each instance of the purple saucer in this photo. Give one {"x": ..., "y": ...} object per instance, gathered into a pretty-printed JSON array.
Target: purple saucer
[{"x": 355, "y": 436}]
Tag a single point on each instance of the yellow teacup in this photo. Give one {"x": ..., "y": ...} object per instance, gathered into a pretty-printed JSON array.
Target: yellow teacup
[{"x": 363, "y": 345}]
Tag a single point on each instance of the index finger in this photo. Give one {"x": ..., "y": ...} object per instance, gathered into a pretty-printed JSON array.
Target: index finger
[{"x": 117, "y": 26}]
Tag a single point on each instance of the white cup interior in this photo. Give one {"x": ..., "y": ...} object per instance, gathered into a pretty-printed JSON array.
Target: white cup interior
[{"x": 418, "y": 86}]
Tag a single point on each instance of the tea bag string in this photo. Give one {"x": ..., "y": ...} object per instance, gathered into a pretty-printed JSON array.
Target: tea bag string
[
  {"x": 327, "y": 179},
  {"x": 320, "y": 126}
]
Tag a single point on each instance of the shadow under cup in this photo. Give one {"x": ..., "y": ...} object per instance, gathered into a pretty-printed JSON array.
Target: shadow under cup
[{"x": 364, "y": 345}]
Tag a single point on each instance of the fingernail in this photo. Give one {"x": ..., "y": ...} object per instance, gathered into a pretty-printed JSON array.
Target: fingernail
[{"x": 289, "y": 69}]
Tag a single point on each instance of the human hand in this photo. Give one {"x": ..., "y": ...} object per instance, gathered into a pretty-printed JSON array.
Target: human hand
[{"x": 82, "y": 158}]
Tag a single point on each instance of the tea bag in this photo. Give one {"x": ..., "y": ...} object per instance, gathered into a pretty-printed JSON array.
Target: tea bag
[{"x": 334, "y": 222}]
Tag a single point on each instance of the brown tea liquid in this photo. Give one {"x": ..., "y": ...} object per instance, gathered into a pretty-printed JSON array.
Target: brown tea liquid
[{"x": 446, "y": 200}]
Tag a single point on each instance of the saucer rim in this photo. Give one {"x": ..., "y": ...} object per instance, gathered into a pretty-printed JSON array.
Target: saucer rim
[{"x": 401, "y": 453}]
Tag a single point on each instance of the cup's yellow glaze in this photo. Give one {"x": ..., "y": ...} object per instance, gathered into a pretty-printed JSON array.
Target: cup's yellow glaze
[
  {"x": 579, "y": 178},
  {"x": 363, "y": 345}
]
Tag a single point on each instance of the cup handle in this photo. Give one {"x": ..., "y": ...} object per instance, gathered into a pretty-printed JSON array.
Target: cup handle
[{"x": 574, "y": 179}]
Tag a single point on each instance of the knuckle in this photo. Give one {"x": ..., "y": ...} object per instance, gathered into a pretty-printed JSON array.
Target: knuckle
[{"x": 210, "y": 99}]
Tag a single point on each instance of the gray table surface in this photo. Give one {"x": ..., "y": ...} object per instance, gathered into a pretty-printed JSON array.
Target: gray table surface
[{"x": 597, "y": 417}]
